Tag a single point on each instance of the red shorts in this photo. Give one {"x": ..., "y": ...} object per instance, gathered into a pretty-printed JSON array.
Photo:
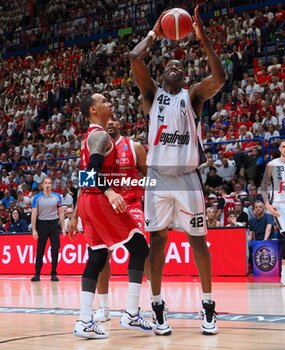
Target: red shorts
[
  {"x": 102, "y": 226},
  {"x": 136, "y": 210}
]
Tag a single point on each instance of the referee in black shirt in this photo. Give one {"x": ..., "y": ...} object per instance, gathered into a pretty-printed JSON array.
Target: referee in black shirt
[{"x": 47, "y": 222}]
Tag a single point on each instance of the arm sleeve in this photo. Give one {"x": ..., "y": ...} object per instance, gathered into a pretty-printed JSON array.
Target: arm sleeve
[{"x": 95, "y": 162}]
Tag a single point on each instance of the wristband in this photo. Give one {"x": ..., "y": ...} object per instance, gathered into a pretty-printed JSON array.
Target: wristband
[{"x": 152, "y": 34}]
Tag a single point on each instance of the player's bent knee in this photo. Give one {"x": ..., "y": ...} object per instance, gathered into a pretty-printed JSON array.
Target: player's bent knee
[
  {"x": 95, "y": 264},
  {"x": 137, "y": 246}
]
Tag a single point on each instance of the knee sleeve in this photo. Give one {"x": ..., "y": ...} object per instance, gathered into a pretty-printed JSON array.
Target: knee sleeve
[
  {"x": 138, "y": 250},
  {"x": 96, "y": 262}
]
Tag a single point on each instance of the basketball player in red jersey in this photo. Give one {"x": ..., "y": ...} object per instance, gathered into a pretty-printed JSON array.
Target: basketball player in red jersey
[
  {"x": 175, "y": 153},
  {"x": 132, "y": 162},
  {"x": 106, "y": 222}
]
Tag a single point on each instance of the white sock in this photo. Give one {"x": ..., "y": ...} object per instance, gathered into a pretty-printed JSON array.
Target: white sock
[
  {"x": 149, "y": 289},
  {"x": 86, "y": 303},
  {"x": 207, "y": 296},
  {"x": 157, "y": 299},
  {"x": 283, "y": 271},
  {"x": 134, "y": 291},
  {"x": 103, "y": 300}
]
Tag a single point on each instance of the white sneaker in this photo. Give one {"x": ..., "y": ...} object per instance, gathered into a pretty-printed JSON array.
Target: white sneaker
[
  {"x": 102, "y": 314},
  {"x": 89, "y": 330},
  {"x": 208, "y": 317},
  {"x": 159, "y": 316},
  {"x": 135, "y": 322}
]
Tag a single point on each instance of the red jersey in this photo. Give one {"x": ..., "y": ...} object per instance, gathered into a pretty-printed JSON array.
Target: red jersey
[
  {"x": 128, "y": 168},
  {"x": 226, "y": 203},
  {"x": 109, "y": 166}
]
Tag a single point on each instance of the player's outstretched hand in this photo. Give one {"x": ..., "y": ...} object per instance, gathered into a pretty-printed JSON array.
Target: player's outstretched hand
[
  {"x": 157, "y": 27},
  {"x": 116, "y": 200},
  {"x": 198, "y": 25},
  {"x": 272, "y": 210}
]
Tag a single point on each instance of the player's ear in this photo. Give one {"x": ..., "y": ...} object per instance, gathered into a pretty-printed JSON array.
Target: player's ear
[{"x": 92, "y": 110}]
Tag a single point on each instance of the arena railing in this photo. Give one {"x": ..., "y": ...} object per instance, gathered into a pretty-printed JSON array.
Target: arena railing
[
  {"x": 264, "y": 151},
  {"x": 261, "y": 140}
]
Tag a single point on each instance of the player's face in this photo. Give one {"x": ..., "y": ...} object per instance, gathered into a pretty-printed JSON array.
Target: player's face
[
  {"x": 282, "y": 149},
  {"x": 102, "y": 107},
  {"x": 174, "y": 72},
  {"x": 113, "y": 127}
]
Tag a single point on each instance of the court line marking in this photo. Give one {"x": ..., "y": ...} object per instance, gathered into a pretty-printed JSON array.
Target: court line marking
[{"x": 241, "y": 317}]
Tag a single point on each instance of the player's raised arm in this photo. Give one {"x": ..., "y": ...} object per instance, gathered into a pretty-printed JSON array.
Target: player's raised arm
[
  {"x": 212, "y": 84},
  {"x": 140, "y": 71}
]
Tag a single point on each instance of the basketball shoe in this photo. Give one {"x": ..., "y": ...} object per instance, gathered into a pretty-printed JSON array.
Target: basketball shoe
[
  {"x": 89, "y": 330},
  {"x": 135, "y": 322},
  {"x": 102, "y": 314},
  {"x": 208, "y": 317},
  {"x": 159, "y": 316}
]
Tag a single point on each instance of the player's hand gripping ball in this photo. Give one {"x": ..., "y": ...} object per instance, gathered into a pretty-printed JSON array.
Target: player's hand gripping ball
[{"x": 176, "y": 24}]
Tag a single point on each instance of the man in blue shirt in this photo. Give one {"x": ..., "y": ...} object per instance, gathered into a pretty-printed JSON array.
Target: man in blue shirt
[
  {"x": 261, "y": 226},
  {"x": 7, "y": 199}
]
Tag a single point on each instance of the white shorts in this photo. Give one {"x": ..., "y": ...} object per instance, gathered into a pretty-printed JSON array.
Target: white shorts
[
  {"x": 280, "y": 221},
  {"x": 175, "y": 202}
]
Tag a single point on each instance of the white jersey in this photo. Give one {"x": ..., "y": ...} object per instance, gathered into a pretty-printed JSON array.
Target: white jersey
[
  {"x": 175, "y": 142},
  {"x": 277, "y": 181}
]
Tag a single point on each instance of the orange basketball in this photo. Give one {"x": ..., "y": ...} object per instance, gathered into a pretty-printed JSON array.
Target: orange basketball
[{"x": 176, "y": 24}]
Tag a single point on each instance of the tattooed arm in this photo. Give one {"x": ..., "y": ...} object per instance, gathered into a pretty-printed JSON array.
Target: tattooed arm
[{"x": 264, "y": 190}]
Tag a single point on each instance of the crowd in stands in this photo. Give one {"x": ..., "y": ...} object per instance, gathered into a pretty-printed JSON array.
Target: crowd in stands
[{"x": 41, "y": 126}]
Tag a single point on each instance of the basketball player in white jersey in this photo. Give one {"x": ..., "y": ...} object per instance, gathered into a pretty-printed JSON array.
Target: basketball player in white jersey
[
  {"x": 274, "y": 177},
  {"x": 175, "y": 153}
]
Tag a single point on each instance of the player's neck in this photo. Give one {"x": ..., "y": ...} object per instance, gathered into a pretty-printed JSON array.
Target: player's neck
[
  {"x": 282, "y": 159},
  {"x": 172, "y": 90},
  {"x": 99, "y": 122}
]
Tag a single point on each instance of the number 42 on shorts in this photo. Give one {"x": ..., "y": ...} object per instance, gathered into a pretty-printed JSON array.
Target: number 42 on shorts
[{"x": 197, "y": 221}]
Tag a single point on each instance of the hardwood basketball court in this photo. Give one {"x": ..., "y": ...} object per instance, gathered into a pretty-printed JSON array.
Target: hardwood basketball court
[{"x": 41, "y": 315}]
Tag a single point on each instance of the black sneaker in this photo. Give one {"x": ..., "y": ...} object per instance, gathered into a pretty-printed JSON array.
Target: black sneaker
[
  {"x": 36, "y": 278},
  {"x": 54, "y": 278},
  {"x": 208, "y": 316},
  {"x": 159, "y": 316}
]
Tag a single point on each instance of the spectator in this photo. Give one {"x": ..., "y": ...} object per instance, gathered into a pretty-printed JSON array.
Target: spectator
[
  {"x": 211, "y": 220},
  {"x": 7, "y": 199},
  {"x": 17, "y": 225},
  {"x": 39, "y": 176},
  {"x": 213, "y": 180},
  {"x": 226, "y": 171},
  {"x": 232, "y": 220},
  {"x": 261, "y": 226},
  {"x": 242, "y": 216},
  {"x": 245, "y": 166},
  {"x": 2, "y": 228},
  {"x": 68, "y": 213},
  {"x": 225, "y": 204},
  {"x": 66, "y": 198}
]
